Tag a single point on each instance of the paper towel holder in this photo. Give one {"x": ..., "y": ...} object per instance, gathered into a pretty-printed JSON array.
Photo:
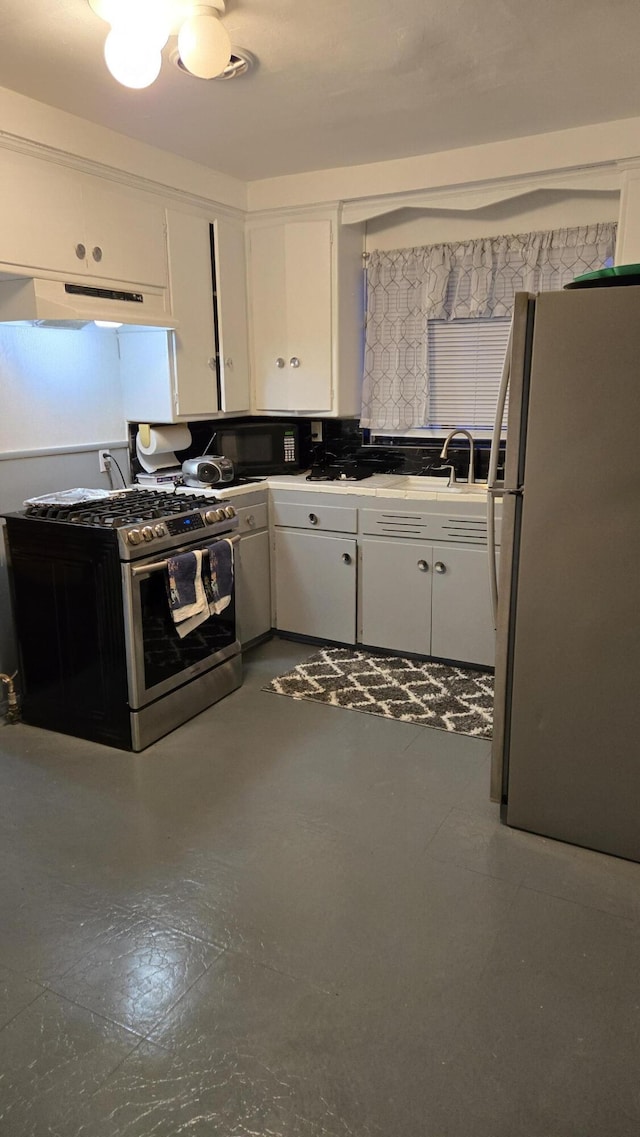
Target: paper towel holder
[{"x": 144, "y": 430}]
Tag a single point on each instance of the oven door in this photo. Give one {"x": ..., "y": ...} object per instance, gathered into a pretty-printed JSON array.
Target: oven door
[{"x": 158, "y": 660}]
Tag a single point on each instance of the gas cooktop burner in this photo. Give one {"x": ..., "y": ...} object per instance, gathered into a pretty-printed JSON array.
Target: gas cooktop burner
[{"x": 350, "y": 471}]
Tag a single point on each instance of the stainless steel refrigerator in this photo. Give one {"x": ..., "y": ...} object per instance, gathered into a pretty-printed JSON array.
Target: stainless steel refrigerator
[{"x": 566, "y": 747}]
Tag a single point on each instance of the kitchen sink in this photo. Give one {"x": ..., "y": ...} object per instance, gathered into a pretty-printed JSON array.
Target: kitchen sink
[{"x": 424, "y": 482}]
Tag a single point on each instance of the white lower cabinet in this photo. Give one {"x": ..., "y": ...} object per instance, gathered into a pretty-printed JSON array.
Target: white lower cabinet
[
  {"x": 253, "y": 587},
  {"x": 426, "y": 599},
  {"x": 461, "y": 620},
  {"x": 395, "y": 591},
  {"x": 315, "y": 585}
]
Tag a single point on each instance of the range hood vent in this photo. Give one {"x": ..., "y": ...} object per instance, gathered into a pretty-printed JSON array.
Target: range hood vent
[{"x": 74, "y": 304}]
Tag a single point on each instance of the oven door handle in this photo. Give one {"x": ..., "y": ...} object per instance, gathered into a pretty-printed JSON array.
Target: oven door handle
[{"x": 156, "y": 566}]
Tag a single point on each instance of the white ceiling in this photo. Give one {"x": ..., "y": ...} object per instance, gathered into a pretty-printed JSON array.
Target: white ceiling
[{"x": 345, "y": 81}]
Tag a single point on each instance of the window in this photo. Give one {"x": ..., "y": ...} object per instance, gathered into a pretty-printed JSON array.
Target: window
[
  {"x": 438, "y": 320},
  {"x": 465, "y": 360}
]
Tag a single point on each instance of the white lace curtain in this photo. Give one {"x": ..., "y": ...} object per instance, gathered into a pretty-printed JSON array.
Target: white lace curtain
[{"x": 408, "y": 287}]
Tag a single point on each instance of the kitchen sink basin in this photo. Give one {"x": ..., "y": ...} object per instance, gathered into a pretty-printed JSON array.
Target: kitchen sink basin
[{"x": 420, "y": 482}]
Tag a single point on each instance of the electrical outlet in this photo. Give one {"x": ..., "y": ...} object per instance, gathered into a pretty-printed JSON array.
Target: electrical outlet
[{"x": 104, "y": 460}]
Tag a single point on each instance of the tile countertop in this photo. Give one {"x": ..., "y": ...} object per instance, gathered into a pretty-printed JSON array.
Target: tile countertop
[{"x": 379, "y": 485}]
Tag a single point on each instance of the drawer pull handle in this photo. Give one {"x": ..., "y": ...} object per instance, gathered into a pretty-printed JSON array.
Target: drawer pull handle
[
  {"x": 346, "y": 558},
  {"x": 423, "y": 566},
  {"x": 440, "y": 567},
  {"x": 313, "y": 519}
]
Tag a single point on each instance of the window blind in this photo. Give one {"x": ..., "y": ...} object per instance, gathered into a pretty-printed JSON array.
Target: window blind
[{"x": 465, "y": 360}]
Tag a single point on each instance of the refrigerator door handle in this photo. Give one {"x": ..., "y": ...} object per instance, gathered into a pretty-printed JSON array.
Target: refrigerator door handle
[{"x": 491, "y": 479}]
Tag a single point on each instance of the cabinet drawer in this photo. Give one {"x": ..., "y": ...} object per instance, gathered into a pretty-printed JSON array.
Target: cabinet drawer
[
  {"x": 465, "y": 528},
  {"x": 251, "y": 517},
  {"x": 386, "y": 523},
  {"x": 337, "y": 519}
]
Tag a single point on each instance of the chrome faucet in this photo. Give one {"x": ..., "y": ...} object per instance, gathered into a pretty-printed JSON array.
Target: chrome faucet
[{"x": 443, "y": 454}]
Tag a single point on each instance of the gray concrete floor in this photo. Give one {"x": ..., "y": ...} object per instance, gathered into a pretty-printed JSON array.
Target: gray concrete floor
[{"x": 292, "y": 920}]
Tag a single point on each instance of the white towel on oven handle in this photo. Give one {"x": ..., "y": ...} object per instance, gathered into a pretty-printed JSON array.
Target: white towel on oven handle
[
  {"x": 221, "y": 574},
  {"x": 187, "y": 616}
]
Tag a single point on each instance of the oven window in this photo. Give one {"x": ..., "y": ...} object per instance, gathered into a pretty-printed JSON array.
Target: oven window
[{"x": 165, "y": 653}]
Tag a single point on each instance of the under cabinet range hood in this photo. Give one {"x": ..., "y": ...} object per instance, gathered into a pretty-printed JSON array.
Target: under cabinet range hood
[{"x": 74, "y": 304}]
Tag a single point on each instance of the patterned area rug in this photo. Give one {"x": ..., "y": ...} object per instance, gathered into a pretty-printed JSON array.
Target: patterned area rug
[{"x": 430, "y": 694}]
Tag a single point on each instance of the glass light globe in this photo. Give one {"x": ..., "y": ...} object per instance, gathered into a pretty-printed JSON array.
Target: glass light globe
[
  {"x": 132, "y": 61},
  {"x": 150, "y": 20},
  {"x": 204, "y": 46}
]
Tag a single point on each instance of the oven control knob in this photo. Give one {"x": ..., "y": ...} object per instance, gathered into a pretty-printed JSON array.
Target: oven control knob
[
  {"x": 211, "y": 516},
  {"x": 229, "y": 511},
  {"x": 147, "y": 532},
  {"x": 134, "y": 536},
  {"x": 219, "y": 514},
  {"x": 159, "y": 530}
]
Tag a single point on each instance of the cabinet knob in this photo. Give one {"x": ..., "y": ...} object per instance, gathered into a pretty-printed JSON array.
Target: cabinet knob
[
  {"x": 440, "y": 567},
  {"x": 423, "y": 566},
  {"x": 96, "y": 253},
  {"x": 279, "y": 361},
  {"x": 346, "y": 558},
  {"x": 313, "y": 519},
  {"x": 212, "y": 362},
  {"x": 228, "y": 362},
  {"x": 251, "y": 521},
  {"x": 81, "y": 252},
  {"x": 294, "y": 361}
]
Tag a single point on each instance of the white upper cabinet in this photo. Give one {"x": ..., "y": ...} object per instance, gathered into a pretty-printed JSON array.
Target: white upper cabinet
[
  {"x": 305, "y": 293},
  {"x": 55, "y": 220},
  {"x": 125, "y": 237},
  {"x": 40, "y": 215},
  {"x": 231, "y": 306},
  {"x": 201, "y": 369}
]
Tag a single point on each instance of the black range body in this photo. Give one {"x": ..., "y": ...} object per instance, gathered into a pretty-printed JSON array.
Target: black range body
[{"x": 100, "y": 655}]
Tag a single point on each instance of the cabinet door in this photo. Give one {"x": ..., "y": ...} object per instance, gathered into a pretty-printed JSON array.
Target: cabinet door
[
  {"x": 291, "y": 296},
  {"x": 267, "y": 284},
  {"x": 462, "y": 624},
  {"x": 125, "y": 235},
  {"x": 231, "y": 288},
  {"x": 189, "y": 245},
  {"x": 41, "y": 215},
  {"x": 316, "y": 585},
  {"x": 395, "y": 595},
  {"x": 253, "y": 587},
  {"x": 308, "y": 307}
]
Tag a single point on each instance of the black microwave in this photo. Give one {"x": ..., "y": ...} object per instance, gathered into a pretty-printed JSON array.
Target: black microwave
[{"x": 261, "y": 447}]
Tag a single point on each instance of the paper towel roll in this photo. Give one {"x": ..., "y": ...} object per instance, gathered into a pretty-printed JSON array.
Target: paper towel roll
[{"x": 163, "y": 443}]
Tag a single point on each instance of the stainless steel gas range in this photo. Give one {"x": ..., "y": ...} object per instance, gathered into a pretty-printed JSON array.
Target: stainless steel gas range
[{"x": 100, "y": 656}]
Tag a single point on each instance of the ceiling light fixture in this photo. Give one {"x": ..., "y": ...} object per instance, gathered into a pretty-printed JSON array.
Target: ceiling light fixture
[
  {"x": 203, "y": 41},
  {"x": 141, "y": 28}
]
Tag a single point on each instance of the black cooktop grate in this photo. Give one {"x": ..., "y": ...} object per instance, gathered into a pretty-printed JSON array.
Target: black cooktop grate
[{"x": 129, "y": 508}]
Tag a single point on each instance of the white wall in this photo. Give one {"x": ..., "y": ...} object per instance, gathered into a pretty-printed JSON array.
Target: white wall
[
  {"x": 545, "y": 209},
  {"x": 59, "y": 388},
  {"x": 61, "y": 134},
  {"x": 583, "y": 147}
]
